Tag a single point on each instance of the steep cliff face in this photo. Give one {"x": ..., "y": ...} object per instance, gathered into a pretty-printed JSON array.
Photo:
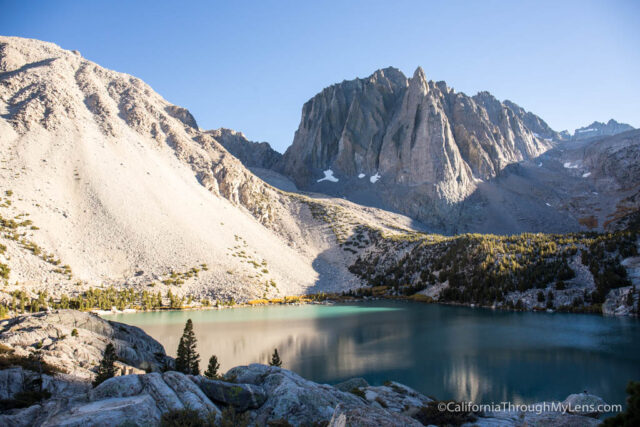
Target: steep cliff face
[
  {"x": 344, "y": 125},
  {"x": 426, "y": 144}
]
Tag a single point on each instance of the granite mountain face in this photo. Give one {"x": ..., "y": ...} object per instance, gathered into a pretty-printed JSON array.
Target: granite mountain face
[
  {"x": 420, "y": 148},
  {"x": 411, "y": 131},
  {"x": 420, "y": 136}
]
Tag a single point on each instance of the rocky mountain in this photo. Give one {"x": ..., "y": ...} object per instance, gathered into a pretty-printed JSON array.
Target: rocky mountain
[
  {"x": 425, "y": 145},
  {"x": 111, "y": 196},
  {"x": 599, "y": 129},
  {"x": 106, "y": 183},
  {"x": 453, "y": 162}
]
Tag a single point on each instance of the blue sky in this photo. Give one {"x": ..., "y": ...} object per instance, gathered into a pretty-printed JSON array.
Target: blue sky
[{"x": 251, "y": 65}]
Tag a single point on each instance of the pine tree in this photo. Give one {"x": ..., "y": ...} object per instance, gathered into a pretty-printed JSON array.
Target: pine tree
[
  {"x": 275, "y": 359},
  {"x": 188, "y": 360},
  {"x": 107, "y": 367},
  {"x": 212, "y": 369}
]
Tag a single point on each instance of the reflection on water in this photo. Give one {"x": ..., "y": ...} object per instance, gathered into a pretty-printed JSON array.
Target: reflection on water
[{"x": 447, "y": 352}]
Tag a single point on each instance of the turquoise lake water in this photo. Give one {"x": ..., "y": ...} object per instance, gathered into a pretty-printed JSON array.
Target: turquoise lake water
[{"x": 447, "y": 352}]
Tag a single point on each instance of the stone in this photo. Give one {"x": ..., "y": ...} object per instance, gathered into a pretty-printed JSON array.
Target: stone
[
  {"x": 291, "y": 397},
  {"x": 15, "y": 380},
  {"x": 368, "y": 417},
  {"x": 396, "y": 397},
  {"x": 240, "y": 396},
  {"x": 122, "y": 386},
  {"x": 82, "y": 354},
  {"x": 351, "y": 383},
  {"x": 584, "y": 400},
  {"x": 165, "y": 397},
  {"x": 22, "y": 417},
  {"x": 190, "y": 394},
  {"x": 136, "y": 410}
]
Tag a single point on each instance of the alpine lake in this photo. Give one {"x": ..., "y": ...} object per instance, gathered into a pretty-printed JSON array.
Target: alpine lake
[{"x": 447, "y": 352}]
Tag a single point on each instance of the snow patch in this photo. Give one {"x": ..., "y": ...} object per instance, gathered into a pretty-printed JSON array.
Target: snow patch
[
  {"x": 548, "y": 204},
  {"x": 536, "y": 135},
  {"x": 374, "y": 178},
  {"x": 328, "y": 176},
  {"x": 586, "y": 175},
  {"x": 540, "y": 164},
  {"x": 361, "y": 176},
  {"x": 585, "y": 130},
  {"x": 569, "y": 165}
]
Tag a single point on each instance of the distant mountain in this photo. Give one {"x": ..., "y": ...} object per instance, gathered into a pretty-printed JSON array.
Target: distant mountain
[
  {"x": 251, "y": 154},
  {"x": 597, "y": 129}
]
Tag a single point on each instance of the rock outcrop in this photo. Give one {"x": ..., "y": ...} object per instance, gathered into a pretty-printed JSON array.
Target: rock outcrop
[
  {"x": 251, "y": 154},
  {"x": 79, "y": 353}
]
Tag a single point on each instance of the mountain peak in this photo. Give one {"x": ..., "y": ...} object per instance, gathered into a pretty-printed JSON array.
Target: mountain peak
[
  {"x": 597, "y": 129},
  {"x": 419, "y": 74}
]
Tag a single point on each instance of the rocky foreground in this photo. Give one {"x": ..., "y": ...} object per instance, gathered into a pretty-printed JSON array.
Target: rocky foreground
[{"x": 69, "y": 345}]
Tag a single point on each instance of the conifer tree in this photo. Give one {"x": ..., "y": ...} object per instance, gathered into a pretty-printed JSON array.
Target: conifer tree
[
  {"x": 107, "y": 367},
  {"x": 188, "y": 360},
  {"x": 212, "y": 369},
  {"x": 275, "y": 359}
]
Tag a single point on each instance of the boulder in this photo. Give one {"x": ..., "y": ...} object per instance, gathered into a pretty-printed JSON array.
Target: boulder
[
  {"x": 123, "y": 386},
  {"x": 351, "y": 383},
  {"x": 21, "y": 417},
  {"x": 190, "y": 394},
  {"x": 166, "y": 399},
  {"x": 368, "y": 417},
  {"x": 14, "y": 380},
  {"x": 396, "y": 397},
  {"x": 11, "y": 382},
  {"x": 291, "y": 397},
  {"x": 240, "y": 396},
  {"x": 584, "y": 404},
  {"x": 79, "y": 355},
  {"x": 133, "y": 410}
]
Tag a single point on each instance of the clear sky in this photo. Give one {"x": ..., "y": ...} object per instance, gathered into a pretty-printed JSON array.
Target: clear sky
[{"x": 251, "y": 65}]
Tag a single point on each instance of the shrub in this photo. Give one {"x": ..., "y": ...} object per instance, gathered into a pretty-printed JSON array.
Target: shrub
[
  {"x": 431, "y": 415},
  {"x": 24, "y": 399},
  {"x": 107, "y": 367},
  {"x": 358, "y": 392},
  {"x": 8, "y": 359},
  {"x": 182, "y": 418},
  {"x": 212, "y": 369},
  {"x": 275, "y": 359},
  {"x": 630, "y": 417},
  {"x": 229, "y": 418}
]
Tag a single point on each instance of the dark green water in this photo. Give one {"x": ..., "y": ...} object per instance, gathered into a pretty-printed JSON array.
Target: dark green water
[{"x": 447, "y": 352}]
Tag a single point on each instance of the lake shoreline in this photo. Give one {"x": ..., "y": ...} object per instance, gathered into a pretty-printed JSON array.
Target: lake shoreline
[{"x": 306, "y": 300}]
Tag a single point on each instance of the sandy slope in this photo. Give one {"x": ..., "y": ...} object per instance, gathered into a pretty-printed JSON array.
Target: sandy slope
[{"x": 125, "y": 189}]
